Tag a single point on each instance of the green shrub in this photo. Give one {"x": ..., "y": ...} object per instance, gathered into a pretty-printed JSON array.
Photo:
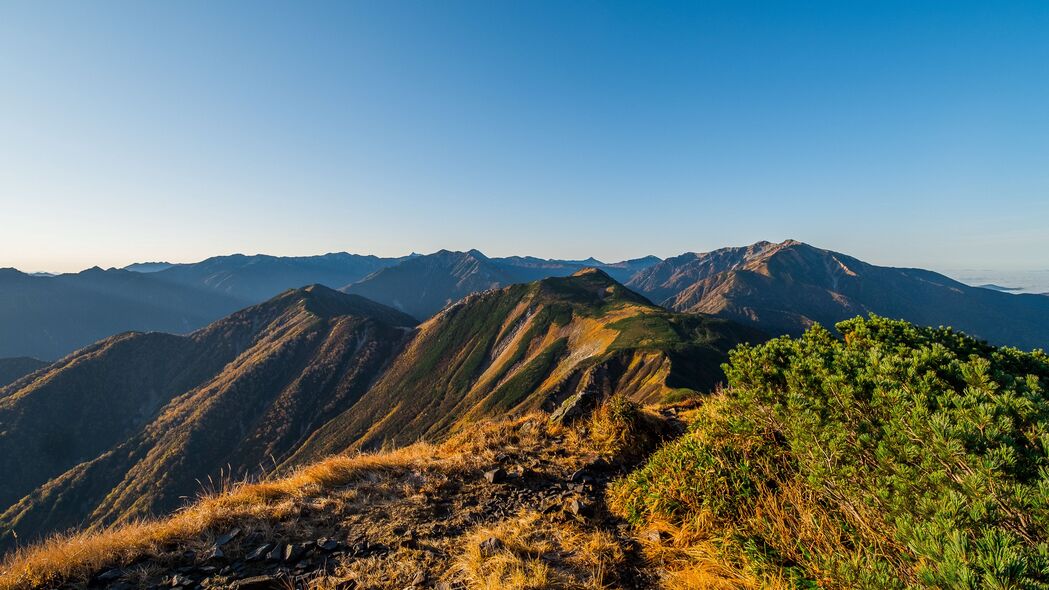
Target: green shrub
[{"x": 896, "y": 457}]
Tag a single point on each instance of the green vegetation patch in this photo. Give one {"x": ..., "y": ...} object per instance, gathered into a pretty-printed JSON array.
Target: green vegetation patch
[
  {"x": 896, "y": 457},
  {"x": 528, "y": 379},
  {"x": 655, "y": 330}
]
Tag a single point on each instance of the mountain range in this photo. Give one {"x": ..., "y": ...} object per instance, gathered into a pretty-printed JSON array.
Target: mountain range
[
  {"x": 131, "y": 425},
  {"x": 779, "y": 288}
]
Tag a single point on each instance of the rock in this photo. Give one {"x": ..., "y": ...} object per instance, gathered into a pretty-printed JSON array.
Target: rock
[
  {"x": 110, "y": 575},
  {"x": 581, "y": 477},
  {"x": 490, "y": 545},
  {"x": 294, "y": 551},
  {"x": 277, "y": 553},
  {"x": 419, "y": 579},
  {"x": 326, "y": 544},
  {"x": 520, "y": 471},
  {"x": 578, "y": 405},
  {"x": 656, "y": 536},
  {"x": 180, "y": 580},
  {"x": 260, "y": 583},
  {"x": 577, "y": 508},
  {"x": 260, "y": 552},
  {"x": 497, "y": 475},
  {"x": 215, "y": 553},
  {"x": 227, "y": 538}
]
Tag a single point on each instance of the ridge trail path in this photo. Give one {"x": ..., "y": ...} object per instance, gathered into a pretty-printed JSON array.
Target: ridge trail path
[{"x": 530, "y": 507}]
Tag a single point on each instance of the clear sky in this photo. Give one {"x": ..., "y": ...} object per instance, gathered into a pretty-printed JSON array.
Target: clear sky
[{"x": 904, "y": 133}]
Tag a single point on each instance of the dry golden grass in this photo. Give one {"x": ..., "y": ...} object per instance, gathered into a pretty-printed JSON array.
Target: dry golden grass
[
  {"x": 535, "y": 551},
  {"x": 698, "y": 556},
  {"x": 77, "y": 555},
  {"x": 483, "y": 441},
  {"x": 623, "y": 429},
  {"x": 701, "y": 554}
]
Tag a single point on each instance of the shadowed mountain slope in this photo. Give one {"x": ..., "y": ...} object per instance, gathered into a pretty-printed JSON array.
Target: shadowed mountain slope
[
  {"x": 48, "y": 317},
  {"x": 129, "y": 426},
  {"x": 557, "y": 343},
  {"x": 13, "y": 369},
  {"x": 423, "y": 285},
  {"x": 784, "y": 288}
]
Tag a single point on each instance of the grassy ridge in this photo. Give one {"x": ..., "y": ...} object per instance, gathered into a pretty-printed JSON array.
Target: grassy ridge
[{"x": 530, "y": 347}]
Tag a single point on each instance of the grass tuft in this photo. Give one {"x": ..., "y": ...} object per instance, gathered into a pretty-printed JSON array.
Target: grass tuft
[
  {"x": 622, "y": 430},
  {"x": 533, "y": 551}
]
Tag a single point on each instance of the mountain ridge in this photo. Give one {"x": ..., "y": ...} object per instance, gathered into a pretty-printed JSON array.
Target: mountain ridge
[
  {"x": 527, "y": 347},
  {"x": 179, "y": 409},
  {"x": 784, "y": 288}
]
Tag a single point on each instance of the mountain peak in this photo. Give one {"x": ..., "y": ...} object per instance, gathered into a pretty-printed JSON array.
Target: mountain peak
[
  {"x": 326, "y": 302},
  {"x": 590, "y": 285},
  {"x": 591, "y": 271}
]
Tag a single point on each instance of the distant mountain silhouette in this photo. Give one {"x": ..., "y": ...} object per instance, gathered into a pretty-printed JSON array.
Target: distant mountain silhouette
[
  {"x": 13, "y": 369},
  {"x": 49, "y": 317},
  {"x": 253, "y": 279},
  {"x": 148, "y": 266},
  {"x": 994, "y": 287}
]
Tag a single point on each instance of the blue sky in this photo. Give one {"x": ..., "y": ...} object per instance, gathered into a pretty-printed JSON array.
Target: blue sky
[{"x": 904, "y": 133}]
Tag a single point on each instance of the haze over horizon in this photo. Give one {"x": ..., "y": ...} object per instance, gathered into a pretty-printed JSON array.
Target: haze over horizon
[{"x": 903, "y": 135}]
